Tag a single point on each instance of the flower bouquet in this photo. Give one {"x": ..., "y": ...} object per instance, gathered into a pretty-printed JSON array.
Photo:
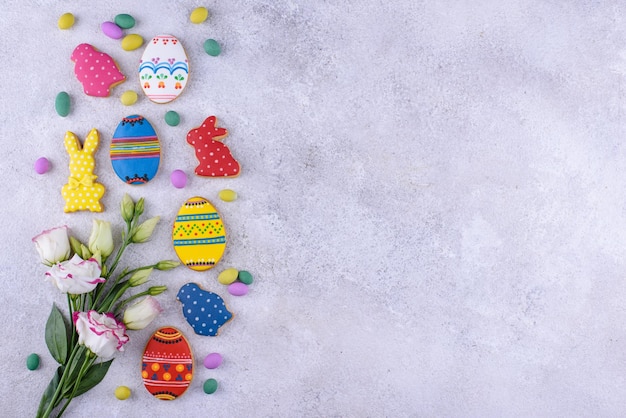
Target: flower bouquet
[{"x": 99, "y": 312}]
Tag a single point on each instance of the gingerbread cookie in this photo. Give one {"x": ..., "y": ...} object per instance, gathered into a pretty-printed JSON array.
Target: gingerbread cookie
[
  {"x": 95, "y": 70},
  {"x": 205, "y": 311},
  {"x": 163, "y": 69},
  {"x": 167, "y": 364},
  {"x": 81, "y": 191},
  {"x": 135, "y": 150},
  {"x": 215, "y": 159},
  {"x": 198, "y": 234}
]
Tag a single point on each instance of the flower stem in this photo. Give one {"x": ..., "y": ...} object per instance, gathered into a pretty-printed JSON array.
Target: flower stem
[
  {"x": 89, "y": 359},
  {"x": 56, "y": 398}
]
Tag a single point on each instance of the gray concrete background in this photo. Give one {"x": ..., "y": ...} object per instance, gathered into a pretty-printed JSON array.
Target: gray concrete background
[{"x": 431, "y": 202}]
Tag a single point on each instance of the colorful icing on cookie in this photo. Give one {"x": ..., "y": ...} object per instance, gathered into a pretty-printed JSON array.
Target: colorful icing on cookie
[
  {"x": 205, "y": 311},
  {"x": 163, "y": 69},
  {"x": 95, "y": 70},
  {"x": 215, "y": 159},
  {"x": 135, "y": 150},
  {"x": 167, "y": 364},
  {"x": 81, "y": 191},
  {"x": 198, "y": 234}
]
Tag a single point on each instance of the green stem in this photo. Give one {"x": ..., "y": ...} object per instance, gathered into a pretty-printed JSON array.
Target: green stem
[
  {"x": 123, "y": 303},
  {"x": 59, "y": 390},
  {"x": 89, "y": 359}
]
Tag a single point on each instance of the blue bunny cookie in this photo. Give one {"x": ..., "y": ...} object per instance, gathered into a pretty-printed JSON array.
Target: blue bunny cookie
[{"x": 205, "y": 311}]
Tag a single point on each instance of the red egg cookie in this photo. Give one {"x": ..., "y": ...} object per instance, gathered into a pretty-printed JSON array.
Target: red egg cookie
[
  {"x": 95, "y": 70},
  {"x": 214, "y": 157}
]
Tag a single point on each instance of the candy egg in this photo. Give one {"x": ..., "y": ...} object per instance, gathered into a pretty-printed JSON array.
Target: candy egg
[
  {"x": 167, "y": 364},
  {"x": 238, "y": 289},
  {"x": 124, "y": 21},
  {"x": 199, "y": 15},
  {"x": 66, "y": 21},
  {"x": 62, "y": 104},
  {"x": 245, "y": 277},
  {"x": 128, "y": 98},
  {"x": 132, "y": 42},
  {"x": 178, "y": 179},
  {"x": 32, "y": 362},
  {"x": 111, "y": 30},
  {"x": 198, "y": 234},
  {"x": 122, "y": 392},
  {"x": 228, "y": 195},
  {"x": 228, "y": 276},
  {"x": 213, "y": 361},
  {"x": 42, "y": 165},
  {"x": 212, "y": 48},
  {"x": 172, "y": 118},
  {"x": 135, "y": 150},
  {"x": 163, "y": 69},
  {"x": 210, "y": 386}
]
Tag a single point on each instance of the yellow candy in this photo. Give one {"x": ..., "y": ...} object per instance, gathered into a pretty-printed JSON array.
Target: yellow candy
[
  {"x": 199, "y": 15},
  {"x": 66, "y": 21},
  {"x": 122, "y": 392},
  {"x": 228, "y": 195},
  {"x": 228, "y": 276},
  {"x": 132, "y": 42},
  {"x": 129, "y": 98}
]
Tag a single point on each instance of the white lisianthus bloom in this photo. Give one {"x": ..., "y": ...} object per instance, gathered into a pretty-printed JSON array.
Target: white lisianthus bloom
[
  {"x": 101, "y": 238},
  {"x": 101, "y": 333},
  {"x": 75, "y": 276},
  {"x": 139, "y": 315},
  {"x": 53, "y": 245}
]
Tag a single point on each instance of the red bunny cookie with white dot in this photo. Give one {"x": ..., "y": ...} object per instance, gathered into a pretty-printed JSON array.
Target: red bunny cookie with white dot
[{"x": 214, "y": 157}]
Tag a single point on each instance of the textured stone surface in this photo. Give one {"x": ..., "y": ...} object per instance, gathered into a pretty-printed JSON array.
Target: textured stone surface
[{"x": 431, "y": 203}]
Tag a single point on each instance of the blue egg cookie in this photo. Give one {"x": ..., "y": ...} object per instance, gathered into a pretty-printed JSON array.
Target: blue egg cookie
[{"x": 205, "y": 311}]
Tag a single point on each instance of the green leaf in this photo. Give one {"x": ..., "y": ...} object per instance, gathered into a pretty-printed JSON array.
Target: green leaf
[
  {"x": 93, "y": 376},
  {"x": 56, "y": 335},
  {"x": 48, "y": 394}
]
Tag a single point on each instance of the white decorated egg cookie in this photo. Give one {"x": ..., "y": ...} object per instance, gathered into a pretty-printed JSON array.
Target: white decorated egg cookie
[
  {"x": 198, "y": 234},
  {"x": 135, "y": 150},
  {"x": 163, "y": 69}
]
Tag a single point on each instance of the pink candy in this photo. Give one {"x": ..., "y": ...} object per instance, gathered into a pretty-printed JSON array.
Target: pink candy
[
  {"x": 111, "y": 30},
  {"x": 178, "y": 179},
  {"x": 213, "y": 361},
  {"x": 238, "y": 289},
  {"x": 42, "y": 165}
]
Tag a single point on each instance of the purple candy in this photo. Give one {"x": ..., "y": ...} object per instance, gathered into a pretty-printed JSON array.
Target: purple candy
[
  {"x": 42, "y": 165},
  {"x": 213, "y": 361},
  {"x": 111, "y": 30},
  {"x": 237, "y": 289},
  {"x": 178, "y": 179}
]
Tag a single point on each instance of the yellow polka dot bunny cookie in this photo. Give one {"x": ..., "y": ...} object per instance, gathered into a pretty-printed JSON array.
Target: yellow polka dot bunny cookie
[{"x": 81, "y": 191}]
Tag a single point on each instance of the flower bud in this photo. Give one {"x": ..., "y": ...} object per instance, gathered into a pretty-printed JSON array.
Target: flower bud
[
  {"x": 139, "y": 207},
  {"x": 167, "y": 265},
  {"x": 157, "y": 290},
  {"x": 139, "y": 277},
  {"x": 53, "y": 245},
  {"x": 86, "y": 254},
  {"x": 101, "y": 238},
  {"x": 139, "y": 315},
  {"x": 75, "y": 245},
  {"x": 127, "y": 208},
  {"x": 144, "y": 231}
]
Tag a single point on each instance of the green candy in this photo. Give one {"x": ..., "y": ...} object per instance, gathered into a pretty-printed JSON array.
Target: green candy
[
  {"x": 172, "y": 118},
  {"x": 212, "y": 48},
  {"x": 245, "y": 277},
  {"x": 62, "y": 104},
  {"x": 32, "y": 362},
  {"x": 124, "y": 21},
  {"x": 210, "y": 386}
]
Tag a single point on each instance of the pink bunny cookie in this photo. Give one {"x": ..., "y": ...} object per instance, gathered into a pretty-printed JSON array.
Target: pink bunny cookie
[
  {"x": 81, "y": 191},
  {"x": 95, "y": 70}
]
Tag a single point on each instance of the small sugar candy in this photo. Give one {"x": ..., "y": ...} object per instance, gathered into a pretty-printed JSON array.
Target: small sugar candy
[
  {"x": 66, "y": 21},
  {"x": 111, "y": 30},
  {"x": 124, "y": 21},
  {"x": 228, "y": 195},
  {"x": 62, "y": 104},
  {"x": 238, "y": 289},
  {"x": 245, "y": 277},
  {"x": 32, "y": 361},
  {"x": 172, "y": 118},
  {"x": 132, "y": 42},
  {"x": 129, "y": 98},
  {"x": 122, "y": 392},
  {"x": 178, "y": 179},
  {"x": 210, "y": 386},
  {"x": 213, "y": 361},
  {"x": 227, "y": 276},
  {"x": 42, "y": 165},
  {"x": 212, "y": 48},
  {"x": 199, "y": 15}
]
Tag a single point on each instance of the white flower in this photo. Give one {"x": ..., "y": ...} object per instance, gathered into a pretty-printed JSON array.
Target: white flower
[
  {"x": 101, "y": 239},
  {"x": 53, "y": 245},
  {"x": 100, "y": 333},
  {"x": 139, "y": 315},
  {"x": 75, "y": 276}
]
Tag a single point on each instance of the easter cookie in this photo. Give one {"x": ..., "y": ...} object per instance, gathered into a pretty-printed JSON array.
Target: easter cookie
[
  {"x": 205, "y": 311},
  {"x": 167, "y": 364},
  {"x": 215, "y": 159},
  {"x": 95, "y": 70},
  {"x": 81, "y": 191},
  {"x": 163, "y": 69},
  {"x": 198, "y": 234},
  {"x": 135, "y": 150}
]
